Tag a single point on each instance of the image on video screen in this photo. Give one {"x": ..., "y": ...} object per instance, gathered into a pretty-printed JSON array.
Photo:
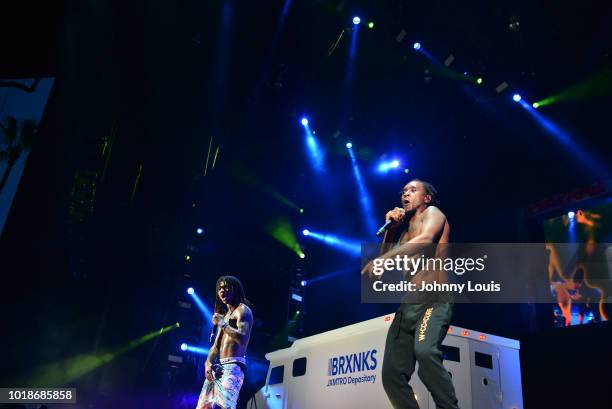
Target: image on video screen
[{"x": 579, "y": 285}]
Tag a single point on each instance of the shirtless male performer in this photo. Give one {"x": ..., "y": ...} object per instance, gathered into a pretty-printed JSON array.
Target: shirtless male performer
[
  {"x": 419, "y": 327},
  {"x": 234, "y": 320}
]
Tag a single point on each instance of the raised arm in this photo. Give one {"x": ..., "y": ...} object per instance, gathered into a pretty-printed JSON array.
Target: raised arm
[
  {"x": 244, "y": 322},
  {"x": 433, "y": 225}
]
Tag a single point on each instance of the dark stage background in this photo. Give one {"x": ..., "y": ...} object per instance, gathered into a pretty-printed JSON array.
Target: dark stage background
[{"x": 157, "y": 79}]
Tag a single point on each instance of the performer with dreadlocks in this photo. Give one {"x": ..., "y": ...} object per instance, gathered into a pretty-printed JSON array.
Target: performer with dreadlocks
[{"x": 234, "y": 320}]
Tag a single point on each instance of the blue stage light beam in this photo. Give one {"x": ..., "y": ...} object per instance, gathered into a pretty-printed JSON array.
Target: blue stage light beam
[
  {"x": 315, "y": 153},
  {"x": 194, "y": 349},
  {"x": 386, "y": 166},
  {"x": 205, "y": 310},
  {"x": 364, "y": 196},
  {"x": 283, "y": 16},
  {"x": 351, "y": 247},
  {"x": 327, "y": 276},
  {"x": 353, "y": 52},
  {"x": 418, "y": 47},
  {"x": 571, "y": 228},
  {"x": 279, "y": 25},
  {"x": 590, "y": 162}
]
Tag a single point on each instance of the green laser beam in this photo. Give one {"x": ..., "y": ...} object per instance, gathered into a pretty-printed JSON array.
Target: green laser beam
[
  {"x": 334, "y": 45},
  {"x": 215, "y": 158},
  {"x": 136, "y": 182},
  {"x": 249, "y": 178},
  {"x": 108, "y": 145},
  {"x": 60, "y": 373},
  {"x": 208, "y": 156},
  {"x": 282, "y": 231},
  {"x": 598, "y": 85}
]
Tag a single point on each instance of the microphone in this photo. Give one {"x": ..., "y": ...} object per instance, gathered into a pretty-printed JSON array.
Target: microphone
[
  {"x": 388, "y": 223},
  {"x": 212, "y": 334}
]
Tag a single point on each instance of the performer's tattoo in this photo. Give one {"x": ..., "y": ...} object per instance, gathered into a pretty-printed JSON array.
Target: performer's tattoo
[{"x": 241, "y": 330}]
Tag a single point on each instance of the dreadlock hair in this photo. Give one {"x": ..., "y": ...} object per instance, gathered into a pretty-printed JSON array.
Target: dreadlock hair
[
  {"x": 430, "y": 190},
  {"x": 237, "y": 293}
]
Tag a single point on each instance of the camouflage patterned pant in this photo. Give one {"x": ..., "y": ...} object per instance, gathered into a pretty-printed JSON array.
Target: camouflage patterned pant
[{"x": 223, "y": 391}]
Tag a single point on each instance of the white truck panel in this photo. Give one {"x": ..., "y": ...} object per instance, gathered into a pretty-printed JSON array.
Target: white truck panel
[{"x": 343, "y": 370}]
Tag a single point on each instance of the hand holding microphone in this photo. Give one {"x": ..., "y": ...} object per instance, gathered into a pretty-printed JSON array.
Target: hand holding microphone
[
  {"x": 218, "y": 321},
  {"x": 392, "y": 217},
  {"x": 397, "y": 214}
]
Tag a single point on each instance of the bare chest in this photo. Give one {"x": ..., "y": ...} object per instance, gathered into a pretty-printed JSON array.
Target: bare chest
[{"x": 414, "y": 229}]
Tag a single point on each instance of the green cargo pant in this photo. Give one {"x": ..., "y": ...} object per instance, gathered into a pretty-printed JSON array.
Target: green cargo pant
[{"x": 415, "y": 336}]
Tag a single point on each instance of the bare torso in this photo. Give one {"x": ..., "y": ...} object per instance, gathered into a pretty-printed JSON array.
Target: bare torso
[
  {"x": 234, "y": 345},
  {"x": 415, "y": 228}
]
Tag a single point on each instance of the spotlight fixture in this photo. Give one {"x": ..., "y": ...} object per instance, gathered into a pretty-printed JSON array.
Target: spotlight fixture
[
  {"x": 416, "y": 46},
  {"x": 501, "y": 87},
  {"x": 384, "y": 167},
  {"x": 516, "y": 97},
  {"x": 449, "y": 60},
  {"x": 514, "y": 24},
  {"x": 400, "y": 36}
]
